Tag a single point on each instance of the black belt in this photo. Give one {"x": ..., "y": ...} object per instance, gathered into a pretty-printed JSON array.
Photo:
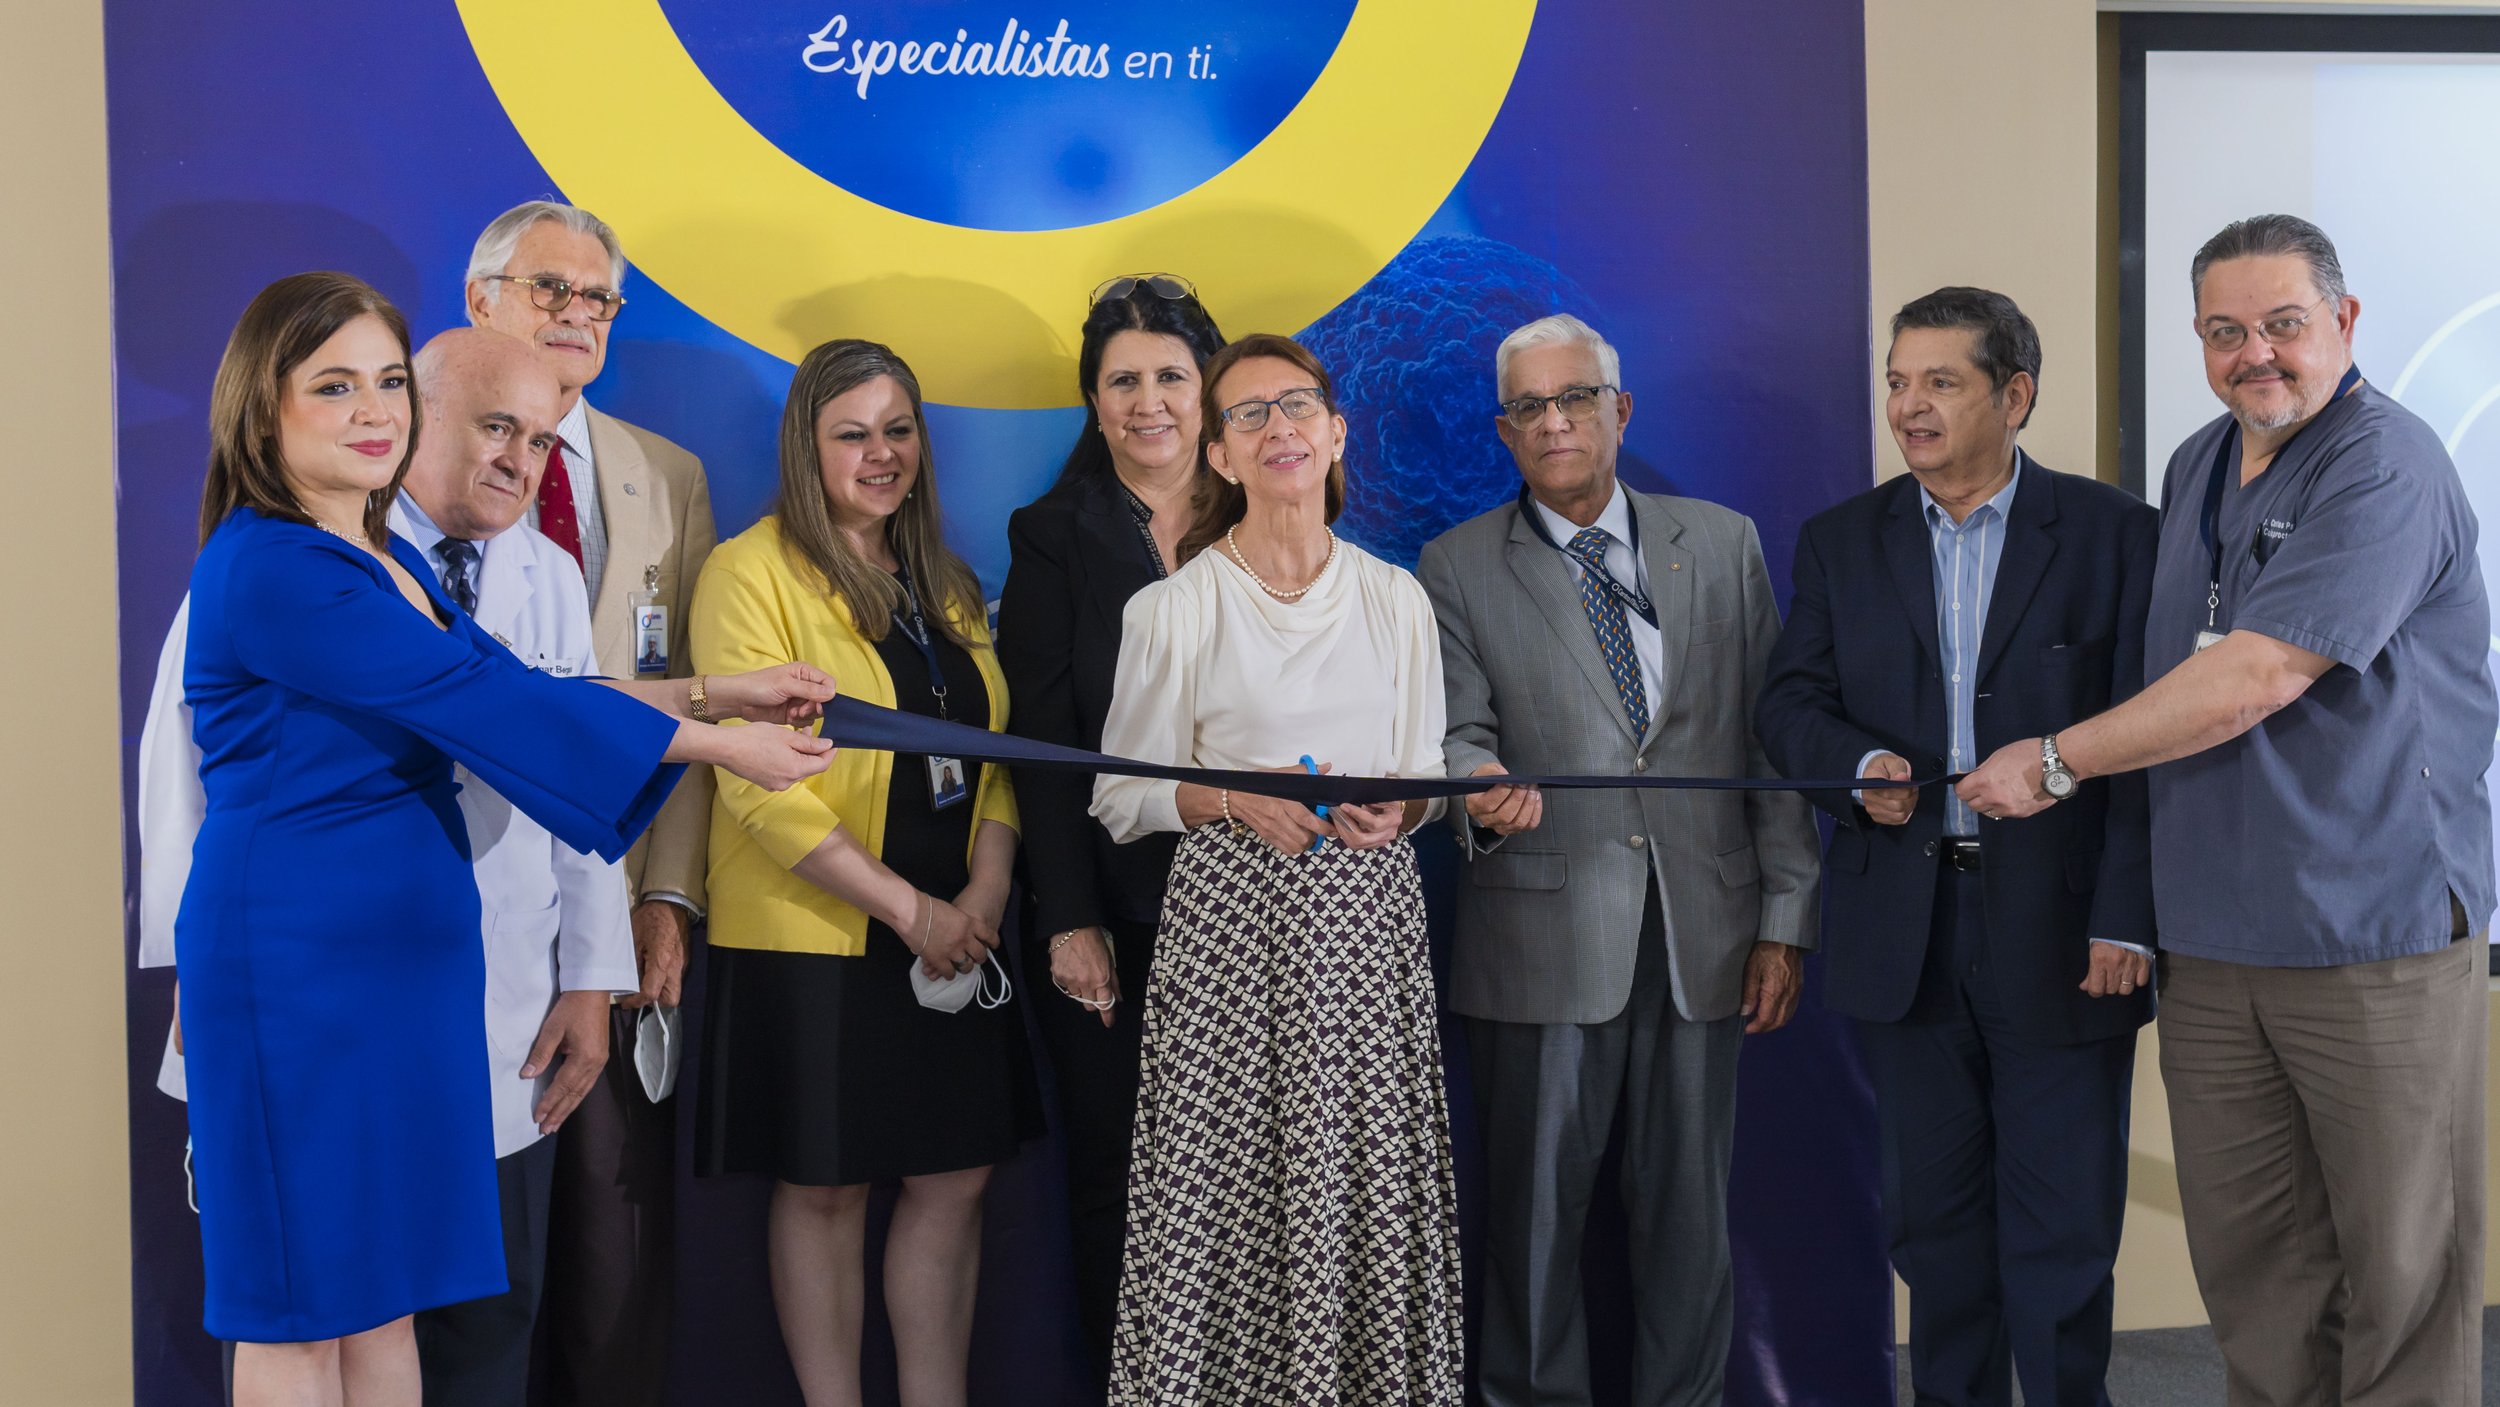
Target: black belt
[{"x": 1960, "y": 852}]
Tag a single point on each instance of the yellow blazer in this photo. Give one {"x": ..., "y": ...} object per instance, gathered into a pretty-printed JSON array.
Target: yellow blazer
[{"x": 753, "y": 609}]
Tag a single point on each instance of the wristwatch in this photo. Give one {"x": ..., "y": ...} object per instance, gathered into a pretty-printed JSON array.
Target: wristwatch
[{"x": 2054, "y": 778}]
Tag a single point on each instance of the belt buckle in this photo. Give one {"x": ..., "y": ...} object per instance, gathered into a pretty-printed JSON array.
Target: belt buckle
[{"x": 1962, "y": 855}]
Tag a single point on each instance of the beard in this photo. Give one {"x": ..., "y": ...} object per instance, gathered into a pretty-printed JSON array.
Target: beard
[{"x": 2291, "y": 411}]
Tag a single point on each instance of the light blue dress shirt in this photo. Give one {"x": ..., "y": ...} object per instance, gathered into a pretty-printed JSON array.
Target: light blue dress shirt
[{"x": 1964, "y": 557}]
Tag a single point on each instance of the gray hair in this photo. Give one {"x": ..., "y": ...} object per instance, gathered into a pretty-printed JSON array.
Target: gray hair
[
  {"x": 502, "y": 235},
  {"x": 2260, "y": 235},
  {"x": 1559, "y": 329}
]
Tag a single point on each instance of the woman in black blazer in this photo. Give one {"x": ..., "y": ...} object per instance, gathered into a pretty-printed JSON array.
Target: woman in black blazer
[{"x": 1108, "y": 527}]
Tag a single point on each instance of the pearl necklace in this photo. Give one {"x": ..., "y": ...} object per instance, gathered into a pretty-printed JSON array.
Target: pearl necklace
[
  {"x": 358, "y": 539},
  {"x": 1294, "y": 595}
]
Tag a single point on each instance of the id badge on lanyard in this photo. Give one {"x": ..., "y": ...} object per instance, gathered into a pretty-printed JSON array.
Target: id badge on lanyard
[
  {"x": 650, "y": 625},
  {"x": 2209, "y": 523},
  {"x": 948, "y": 784}
]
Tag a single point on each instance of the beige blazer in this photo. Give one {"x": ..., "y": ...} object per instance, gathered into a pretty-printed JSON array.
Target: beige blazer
[{"x": 659, "y": 514}]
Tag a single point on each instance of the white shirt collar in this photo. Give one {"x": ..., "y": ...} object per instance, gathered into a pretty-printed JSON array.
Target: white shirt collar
[
  {"x": 1615, "y": 519},
  {"x": 422, "y": 531},
  {"x": 574, "y": 430},
  {"x": 414, "y": 525}
]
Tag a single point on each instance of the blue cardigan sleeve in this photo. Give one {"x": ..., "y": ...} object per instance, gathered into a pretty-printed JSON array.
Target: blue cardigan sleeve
[{"x": 581, "y": 759}]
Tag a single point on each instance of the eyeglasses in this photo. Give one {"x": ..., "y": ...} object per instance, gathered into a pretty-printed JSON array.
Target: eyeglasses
[
  {"x": 1576, "y": 402},
  {"x": 1300, "y": 403},
  {"x": 2230, "y": 336},
  {"x": 553, "y": 294},
  {"x": 1171, "y": 286}
]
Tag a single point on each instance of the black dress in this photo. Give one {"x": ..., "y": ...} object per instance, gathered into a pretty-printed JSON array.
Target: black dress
[{"x": 827, "y": 1071}]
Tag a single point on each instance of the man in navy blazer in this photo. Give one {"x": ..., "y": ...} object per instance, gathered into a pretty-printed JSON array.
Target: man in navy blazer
[{"x": 1997, "y": 970}]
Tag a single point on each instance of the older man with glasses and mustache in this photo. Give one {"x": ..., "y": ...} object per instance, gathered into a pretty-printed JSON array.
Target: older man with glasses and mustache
[
  {"x": 633, "y": 510},
  {"x": 2318, "y": 729}
]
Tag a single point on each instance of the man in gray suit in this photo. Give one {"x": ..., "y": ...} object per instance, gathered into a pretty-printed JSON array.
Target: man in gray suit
[{"x": 1613, "y": 946}]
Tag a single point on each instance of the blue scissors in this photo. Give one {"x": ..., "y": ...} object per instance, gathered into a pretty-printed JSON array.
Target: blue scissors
[{"x": 1313, "y": 768}]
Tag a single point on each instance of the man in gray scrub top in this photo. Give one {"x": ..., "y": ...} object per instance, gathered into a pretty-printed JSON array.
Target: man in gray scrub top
[{"x": 2318, "y": 731}]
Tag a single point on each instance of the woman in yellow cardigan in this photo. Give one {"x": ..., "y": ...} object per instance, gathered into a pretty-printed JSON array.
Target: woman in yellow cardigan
[{"x": 822, "y": 1066}]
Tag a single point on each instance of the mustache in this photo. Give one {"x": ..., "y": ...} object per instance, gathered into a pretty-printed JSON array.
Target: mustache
[
  {"x": 2276, "y": 369},
  {"x": 571, "y": 336}
]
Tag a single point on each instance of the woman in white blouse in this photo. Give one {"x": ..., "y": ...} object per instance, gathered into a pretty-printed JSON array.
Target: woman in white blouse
[{"x": 1292, "y": 1226}]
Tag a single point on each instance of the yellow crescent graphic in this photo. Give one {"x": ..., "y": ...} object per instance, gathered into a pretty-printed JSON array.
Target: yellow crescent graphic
[{"x": 776, "y": 254}]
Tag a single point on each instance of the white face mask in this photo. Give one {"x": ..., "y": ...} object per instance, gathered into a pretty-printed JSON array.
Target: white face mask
[
  {"x": 657, "y": 1051},
  {"x": 954, "y": 993}
]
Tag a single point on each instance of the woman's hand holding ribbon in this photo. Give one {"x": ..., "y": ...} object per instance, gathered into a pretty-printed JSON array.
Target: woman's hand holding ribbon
[{"x": 789, "y": 694}]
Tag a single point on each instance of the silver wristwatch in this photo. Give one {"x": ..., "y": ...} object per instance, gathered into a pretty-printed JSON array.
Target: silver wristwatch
[{"x": 2054, "y": 778}]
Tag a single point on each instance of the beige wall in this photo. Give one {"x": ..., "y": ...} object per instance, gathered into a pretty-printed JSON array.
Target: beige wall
[
  {"x": 1982, "y": 148},
  {"x": 64, "y": 1203}
]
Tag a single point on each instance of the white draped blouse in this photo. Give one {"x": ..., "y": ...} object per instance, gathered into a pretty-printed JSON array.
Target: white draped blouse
[{"x": 1214, "y": 672}]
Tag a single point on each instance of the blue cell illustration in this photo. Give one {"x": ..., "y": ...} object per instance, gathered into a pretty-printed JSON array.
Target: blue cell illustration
[{"x": 1412, "y": 354}]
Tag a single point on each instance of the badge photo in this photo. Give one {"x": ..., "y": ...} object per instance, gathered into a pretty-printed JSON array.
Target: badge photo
[
  {"x": 650, "y": 625},
  {"x": 946, "y": 782}
]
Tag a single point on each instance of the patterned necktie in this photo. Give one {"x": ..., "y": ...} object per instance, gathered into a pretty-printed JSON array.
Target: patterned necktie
[
  {"x": 459, "y": 572},
  {"x": 1614, "y": 634},
  {"x": 555, "y": 506}
]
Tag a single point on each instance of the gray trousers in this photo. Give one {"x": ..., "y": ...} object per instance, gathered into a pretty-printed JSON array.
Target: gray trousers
[
  {"x": 1548, "y": 1096},
  {"x": 2329, "y": 1127}
]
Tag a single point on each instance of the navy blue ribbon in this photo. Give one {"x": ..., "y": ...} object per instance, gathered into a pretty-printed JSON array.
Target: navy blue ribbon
[{"x": 851, "y": 722}]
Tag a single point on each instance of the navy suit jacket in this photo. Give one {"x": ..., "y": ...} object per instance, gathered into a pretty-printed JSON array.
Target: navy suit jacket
[{"x": 1858, "y": 669}]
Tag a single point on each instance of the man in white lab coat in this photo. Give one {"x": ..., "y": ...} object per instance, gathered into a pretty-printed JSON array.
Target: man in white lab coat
[{"x": 558, "y": 940}]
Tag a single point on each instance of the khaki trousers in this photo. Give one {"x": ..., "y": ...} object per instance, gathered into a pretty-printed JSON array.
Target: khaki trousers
[{"x": 2329, "y": 1129}]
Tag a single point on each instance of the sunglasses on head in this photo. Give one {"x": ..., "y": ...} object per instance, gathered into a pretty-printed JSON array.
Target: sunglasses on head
[{"x": 1171, "y": 286}]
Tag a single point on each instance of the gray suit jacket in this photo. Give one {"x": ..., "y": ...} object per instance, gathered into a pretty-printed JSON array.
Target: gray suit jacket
[{"x": 1549, "y": 920}]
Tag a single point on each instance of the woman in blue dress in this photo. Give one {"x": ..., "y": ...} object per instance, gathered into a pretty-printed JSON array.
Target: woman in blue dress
[{"x": 328, "y": 945}]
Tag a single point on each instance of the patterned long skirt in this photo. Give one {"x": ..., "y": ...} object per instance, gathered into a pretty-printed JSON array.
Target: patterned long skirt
[{"x": 1292, "y": 1221}]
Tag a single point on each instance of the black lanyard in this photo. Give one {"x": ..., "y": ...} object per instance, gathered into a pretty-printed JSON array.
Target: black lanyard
[
  {"x": 915, "y": 628},
  {"x": 1638, "y": 600},
  {"x": 2209, "y": 524}
]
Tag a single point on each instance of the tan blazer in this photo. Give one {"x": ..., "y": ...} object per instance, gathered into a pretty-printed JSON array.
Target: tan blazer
[{"x": 659, "y": 514}]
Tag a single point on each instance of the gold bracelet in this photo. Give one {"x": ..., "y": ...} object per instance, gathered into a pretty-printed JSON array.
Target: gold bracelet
[{"x": 698, "y": 701}]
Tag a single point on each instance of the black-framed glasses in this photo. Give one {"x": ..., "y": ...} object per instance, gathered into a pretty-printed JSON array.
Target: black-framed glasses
[
  {"x": 1300, "y": 403},
  {"x": 553, "y": 294},
  {"x": 1575, "y": 402},
  {"x": 1171, "y": 286},
  {"x": 2230, "y": 336}
]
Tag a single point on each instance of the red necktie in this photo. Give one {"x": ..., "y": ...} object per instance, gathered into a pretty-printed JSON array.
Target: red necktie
[{"x": 555, "y": 506}]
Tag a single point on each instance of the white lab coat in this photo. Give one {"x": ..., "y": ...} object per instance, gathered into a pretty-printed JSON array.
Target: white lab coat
[{"x": 555, "y": 919}]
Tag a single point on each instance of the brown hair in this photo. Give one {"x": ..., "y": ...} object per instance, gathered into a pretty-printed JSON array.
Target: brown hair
[
  {"x": 286, "y": 323},
  {"x": 1218, "y": 505},
  {"x": 915, "y": 531}
]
